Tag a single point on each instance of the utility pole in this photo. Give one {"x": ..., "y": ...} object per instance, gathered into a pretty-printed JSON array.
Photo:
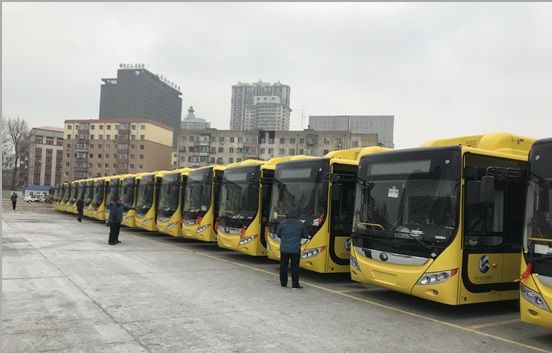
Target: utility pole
[{"x": 302, "y": 116}]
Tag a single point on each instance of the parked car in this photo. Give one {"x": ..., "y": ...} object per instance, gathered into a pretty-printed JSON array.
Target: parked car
[{"x": 38, "y": 198}]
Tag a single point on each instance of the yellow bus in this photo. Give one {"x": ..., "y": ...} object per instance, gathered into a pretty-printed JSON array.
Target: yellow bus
[
  {"x": 98, "y": 202},
  {"x": 201, "y": 199},
  {"x": 71, "y": 204},
  {"x": 536, "y": 262},
  {"x": 89, "y": 197},
  {"x": 169, "y": 207},
  {"x": 146, "y": 200},
  {"x": 111, "y": 192},
  {"x": 443, "y": 222},
  {"x": 58, "y": 196},
  {"x": 244, "y": 205},
  {"x": 322, "y": 192},
  {"x": 128, "y": 195}
]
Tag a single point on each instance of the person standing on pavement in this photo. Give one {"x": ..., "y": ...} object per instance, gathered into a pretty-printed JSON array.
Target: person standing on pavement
[
  {"x": 114, "y": 221},
  {"x": 80, "y": 209},
  {"x": 13, "y": 199},
  {"x": 290, "y": 231}
]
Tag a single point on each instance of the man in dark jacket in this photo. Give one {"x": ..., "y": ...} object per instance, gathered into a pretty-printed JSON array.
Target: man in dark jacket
[
  {"x": 114, "y": 221},
  {"x": 80, "y": 209},
  {"x": 290, "y": 231},
  {"x": 13, "y": 199}
]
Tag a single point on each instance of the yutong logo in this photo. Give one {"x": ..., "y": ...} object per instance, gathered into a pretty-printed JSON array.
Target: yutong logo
[
  {"x": 383, "y": 256},
  {"x": 484, "y": 264}
]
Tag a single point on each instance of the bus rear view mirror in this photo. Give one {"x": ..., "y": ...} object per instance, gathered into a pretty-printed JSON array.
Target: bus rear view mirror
[{"x": 487, "y": 191}]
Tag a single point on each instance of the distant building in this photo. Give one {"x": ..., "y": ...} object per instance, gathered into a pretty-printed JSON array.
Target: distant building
[
  {"x": 137, "y": 93},
  {"x": 45, "y": 156},
  {"x": 211, "y": 146},
  {"x": 95, "y": 148},
  {"x": 382, "y": 125},
  {"x": 191, "y": 122},
  {"x": 260, "y": 105}
]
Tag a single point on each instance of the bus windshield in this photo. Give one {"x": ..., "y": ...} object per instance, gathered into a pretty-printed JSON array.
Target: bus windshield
[
  {"x": 538, "y": 215},
  {"x": 66, "y": 193},
  {"x": 89, "y": 194},
  {"x": 197, "y": 199},
  {"x": 82, "y": 190},
  {"x": 127, "y": 192},
  {"x": 113, "y": 191},
  {"x": 168, "y": 195},
  {"x": 99, "y": 187},
  {"x": 301, "y": 185},
  {"x": 239, "y": 194},
  {"x": 144, "y": 195},
  {"x": 407, "y": 203}
]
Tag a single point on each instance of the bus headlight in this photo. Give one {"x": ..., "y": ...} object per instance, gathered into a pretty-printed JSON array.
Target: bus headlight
[
  {"x": 246, "y": 240},
  {"x": 354, "y": 263},
  {"x": 171, "y": 225},
  {"x": 202, "y": 228},
  {"x": 533, "y": 297},
  {"x": 308, "y": 253},
  {"x": 436, "y": 277}
]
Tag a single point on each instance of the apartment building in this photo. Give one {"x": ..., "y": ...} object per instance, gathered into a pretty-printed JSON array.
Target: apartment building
[
  {"x": 95, "y": 148},
  {"x": 45, "y": 156},
  {"x": 211, "y": 146}
]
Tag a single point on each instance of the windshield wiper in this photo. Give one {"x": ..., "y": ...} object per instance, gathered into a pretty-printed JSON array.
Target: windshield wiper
[{"x": 433, "y": 254}]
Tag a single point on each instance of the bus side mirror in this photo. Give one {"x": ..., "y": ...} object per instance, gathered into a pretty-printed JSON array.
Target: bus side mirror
[{"x": 487, "y": 191}]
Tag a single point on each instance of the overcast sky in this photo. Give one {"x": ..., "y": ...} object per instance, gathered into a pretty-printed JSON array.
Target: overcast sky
[{"x": 442, "y": 69}]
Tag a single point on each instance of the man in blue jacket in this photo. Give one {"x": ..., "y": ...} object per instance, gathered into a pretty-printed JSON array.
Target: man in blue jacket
[
  {"x": 114, "y": 221},
  {"x": 290, "y": 231}
]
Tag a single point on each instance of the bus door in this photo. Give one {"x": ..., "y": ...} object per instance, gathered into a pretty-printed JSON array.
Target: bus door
[
  {"x": 494, "y": 197},
  {"x": 266, "y": 192},
  {"x": 217, "y": 183},
  {"x": 341, "y": 212}
]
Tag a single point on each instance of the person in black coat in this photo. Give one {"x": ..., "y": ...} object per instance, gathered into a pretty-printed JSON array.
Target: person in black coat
[
  {"x": 80, "y": 209},
  {"x": 290, "y": 231},
  {"x": 114, "y": 221},
  {"x": 13, "y": 199}
]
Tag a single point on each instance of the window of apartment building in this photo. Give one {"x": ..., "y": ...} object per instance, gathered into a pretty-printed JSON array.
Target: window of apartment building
[
  {"x": 301, "y": 151},
  {"x": 301, "y": 140},
  {"x": 203, "y": 149},
  {"x": 69, "y": 127},
  {"x": 132, "y": 166},
  {"x": 270, "y": 150},
  {"x": 91, "y": 155},
  {"x": 230, "y": 160},
  {"x": 282, "y": 140},
  {"x": 100, "y": 137},
  {"x": 212, "y": 160},
  {"x": 131, "y": 156},
  {"x": 116, "y": 126},
  {"x": 99, "y": 165},
  {"x": 338, "y": 142},
  {"x": 238, "y": 160},
  {"x": 67, "y": 164},
  {"x": 108, "y": 137},
  {"x": 66, "y": 174},
  {"x": 262, "y": 140},
  {"x": 59, "y": 143},
  {"x": 326, "y": 141},
  {"x": 107, "y": 155},
  {"x": 141, "y": 147},
  {"x": 100, "y": 127},
  {"x": 240, "y": 139},
  {"x": 92, "y": 127},
  {"x": 133, "y": 137},
  {"x": 270, "y": 141},
  {"x": 109, "y": 127},
  {"x": 116, "y": 137},
  {"x": 114, "y": 165},
  {"x": 231, "y": 139},
  {"x": 292, "y": 151},
  {"x": 221, "y": 149},
  {"x": 262, "y": 150},
  {"x": 221, "y": 139},
  {"x": 213, "y": 150},
  {"x": 292, "y": 140},
  {"x": 239, "y": 150},
  {"x": 91, "y": 145},
  {"x": 281, "y": 151},
  {"x": 219, "y": 160},
  {"x": 140, "y": 166},
  {"x": 355, "y": 143},
  {"x": 106, "y": 165},
  {"x": 142, "y": 137},
  {"x": 133, "y": 127},
  {"x": 142, "y": 127},
  {"x": 68, "y": 155},
  {"x": 326, "y": 152},
  {"x": 68, "y": 145},
  {"x": 91, "y": 137},
  {"x": 100, "y": 146},
  {"x": 231, "y": 149},
  {"x": 68, "y": 137},
  {"x": 141, "y": 156}
]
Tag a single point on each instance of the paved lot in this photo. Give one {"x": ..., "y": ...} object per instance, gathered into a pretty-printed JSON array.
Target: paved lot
[{"x": 65, "y": 290}]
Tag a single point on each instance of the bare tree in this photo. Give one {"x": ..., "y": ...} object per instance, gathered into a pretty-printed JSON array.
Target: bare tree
[{"x": 18, "y": 132}]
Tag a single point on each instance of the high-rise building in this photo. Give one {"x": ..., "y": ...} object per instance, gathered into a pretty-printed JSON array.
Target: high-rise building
[
  {"x": 260, "y": 105},
  {"x": 137, "y": 93},
  {"x": 45, "y": 156},
  {"x": 382, "y": 125},
  {"x": 191, "y": 122},
  {"x": 104, "y": 147},
  {"x": 211, "y": 146}
]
